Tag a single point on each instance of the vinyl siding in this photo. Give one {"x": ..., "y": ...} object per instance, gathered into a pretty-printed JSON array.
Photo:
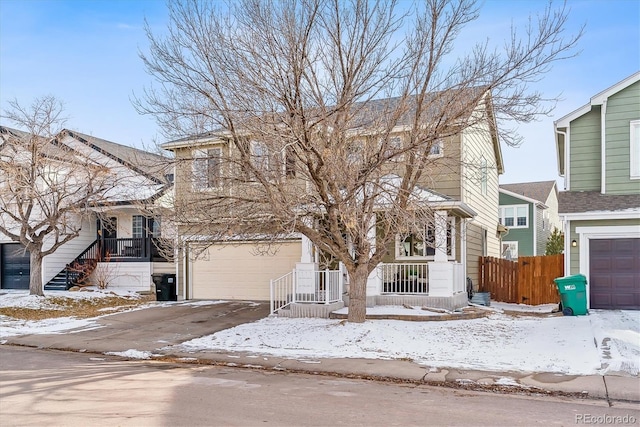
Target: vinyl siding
[
  {"x": 585, "y": 152},
  {"x": 443, "y": 173},
  {"x": 56, "y": 262},
  {"x": 476, "y": 143},
  {"x": 541, "y": 234},
  {"x": 622, "y": 107},
  {"x": 524, "y": 236}
]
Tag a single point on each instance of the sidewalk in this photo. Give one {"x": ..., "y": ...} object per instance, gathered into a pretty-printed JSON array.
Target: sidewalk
[{"x": 155, "y": 332}]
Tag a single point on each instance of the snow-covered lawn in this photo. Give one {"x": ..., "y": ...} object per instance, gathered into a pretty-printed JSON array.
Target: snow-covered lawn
[
  {"x": 501, "y": 341},
  {"x": 498, "y": 342},
  {"x": 54, "y": 325}
]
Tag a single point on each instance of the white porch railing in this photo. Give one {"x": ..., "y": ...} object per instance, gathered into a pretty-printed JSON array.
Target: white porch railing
[
  {"x": 328, "y": 289},
  {"x": 405, "y": 278}
]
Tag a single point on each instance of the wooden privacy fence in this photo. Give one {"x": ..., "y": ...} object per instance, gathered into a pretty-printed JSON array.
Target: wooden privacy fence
[{"x": 529, "y": 280}]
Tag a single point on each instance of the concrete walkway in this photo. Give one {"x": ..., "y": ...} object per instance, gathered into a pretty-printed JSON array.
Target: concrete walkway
[{"x": 157, "y": 328}]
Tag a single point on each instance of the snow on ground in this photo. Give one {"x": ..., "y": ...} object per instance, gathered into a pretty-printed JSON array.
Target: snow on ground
[
  {"x": 498, "y": 342},
  {"x": 132, "y": 354},
  {"x": 21, "y": 299},
  {"x": 11, "y": 327},
  {"x": 494, "y": 343}
]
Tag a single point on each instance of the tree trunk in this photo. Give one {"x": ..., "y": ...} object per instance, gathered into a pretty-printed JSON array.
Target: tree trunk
[
  {"x": 358, "y": 295},
  {"x": 35, "y": 277}
]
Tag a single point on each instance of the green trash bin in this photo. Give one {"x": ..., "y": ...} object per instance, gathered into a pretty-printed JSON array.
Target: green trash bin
[{"x": 573, "y": 294}]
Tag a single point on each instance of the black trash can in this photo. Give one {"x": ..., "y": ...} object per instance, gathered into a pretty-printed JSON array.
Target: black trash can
[{"x": 165, "y": 287}]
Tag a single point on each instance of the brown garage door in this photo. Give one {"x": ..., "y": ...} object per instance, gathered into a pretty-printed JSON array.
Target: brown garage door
[{"x": 614, "y": 273}]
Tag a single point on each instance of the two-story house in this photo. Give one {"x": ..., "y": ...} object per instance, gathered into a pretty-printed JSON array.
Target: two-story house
[
  {"x": 529, "y": 210},
  {"x": 598, "y": 148},
  {"x": 461, "y": 187},
  {"x": 120, "y": 239}
]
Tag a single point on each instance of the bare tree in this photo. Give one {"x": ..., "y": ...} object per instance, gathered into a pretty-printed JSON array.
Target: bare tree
[
  {"x": 310, "y": 96},
  {"x": 46, "y": 188}
]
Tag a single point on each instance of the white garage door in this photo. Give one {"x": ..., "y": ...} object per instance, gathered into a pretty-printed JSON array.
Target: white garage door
[{"x": 238, "y": 272}]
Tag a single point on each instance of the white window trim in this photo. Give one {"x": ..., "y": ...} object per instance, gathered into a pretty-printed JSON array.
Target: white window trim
[
  {"x": 452, "y": 257},
  {"x": 515, "y": 218},
  {"x": 142, "y": 226},
  {"x": 203, "y": 154},
  {"x": 440, "y": 144},
  {"x": 511, "y": 242},
  {"x": 634, "y": 149}
]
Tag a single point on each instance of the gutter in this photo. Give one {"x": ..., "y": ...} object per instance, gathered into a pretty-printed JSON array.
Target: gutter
[{"x": 603, "y": 141}]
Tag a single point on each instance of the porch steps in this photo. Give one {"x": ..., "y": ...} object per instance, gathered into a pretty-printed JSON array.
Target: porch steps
[{"x": 58, "y": 283}]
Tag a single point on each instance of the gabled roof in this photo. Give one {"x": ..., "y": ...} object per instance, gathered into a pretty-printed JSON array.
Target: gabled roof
[
  {"x": 48, "y": 149},
  {"x": 367, "y": 114},
  {"x": 538, "y": 191},
  {"x": 597, "y": 99},
  {"x": 148, "y": 164},
  {"x": 593, "y": 201},
  {"x": 562, "y": 124}
]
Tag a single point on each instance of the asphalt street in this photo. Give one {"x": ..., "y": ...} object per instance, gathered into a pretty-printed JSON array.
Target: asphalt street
[{"x": 54, "y": 388}]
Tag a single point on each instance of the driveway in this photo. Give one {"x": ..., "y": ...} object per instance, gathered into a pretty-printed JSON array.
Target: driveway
[{"x": 151, "y": 328}]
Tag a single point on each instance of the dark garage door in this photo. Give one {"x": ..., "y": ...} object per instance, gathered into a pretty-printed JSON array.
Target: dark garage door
[
  {"x": 614, "y": 273},
  {"x": 14, "y": 266}
]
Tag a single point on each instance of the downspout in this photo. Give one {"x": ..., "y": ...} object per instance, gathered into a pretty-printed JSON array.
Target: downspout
[
  {"x": 603, "y": 141},
  {"x": 535, "y": 228},
  {"x": 566, "y": 158},
  {"x": 567, "y": 245}
]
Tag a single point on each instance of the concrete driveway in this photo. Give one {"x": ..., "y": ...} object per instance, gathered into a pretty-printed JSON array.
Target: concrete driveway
[{"x": 151, "y": 328}]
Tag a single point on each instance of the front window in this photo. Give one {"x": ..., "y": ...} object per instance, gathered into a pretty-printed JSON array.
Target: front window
[
  {"x": 421, "y": 245},
  {"x": 137, "y": 225},
  {"x": 516, "y": 216}
]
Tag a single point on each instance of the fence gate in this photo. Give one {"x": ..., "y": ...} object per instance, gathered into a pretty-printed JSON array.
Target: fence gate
[{"x": 527, "y": 281}]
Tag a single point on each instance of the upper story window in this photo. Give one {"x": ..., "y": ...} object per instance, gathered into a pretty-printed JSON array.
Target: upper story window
[
  {"x": 267, "y": 161},
  {"x": 514, "y": 216},
  {"x": 634, "y": 154},
  {"x": 391, "y": 147},
  {"x": 206, "y": 168},
  {"x": 437, "y": 148}
]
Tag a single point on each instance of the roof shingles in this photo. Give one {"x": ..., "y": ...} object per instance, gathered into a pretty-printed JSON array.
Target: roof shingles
[{"x": 594, "y": 201}]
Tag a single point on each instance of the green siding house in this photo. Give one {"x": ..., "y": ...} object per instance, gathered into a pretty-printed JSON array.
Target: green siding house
[
  {"x": 529, "y": 212},
  {"x": 598, "y": 149}
]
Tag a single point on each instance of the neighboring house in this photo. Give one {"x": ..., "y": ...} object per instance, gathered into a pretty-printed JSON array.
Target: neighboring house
[
  {"x": 598, "y": 148},
  {"x": 464, "y": 194},
  {"x": 529, "y": 210},
  {"x": 118, "y": 242}
]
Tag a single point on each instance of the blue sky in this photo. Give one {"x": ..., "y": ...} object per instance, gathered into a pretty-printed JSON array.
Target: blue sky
[{"x": 85, "y": 52}]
